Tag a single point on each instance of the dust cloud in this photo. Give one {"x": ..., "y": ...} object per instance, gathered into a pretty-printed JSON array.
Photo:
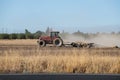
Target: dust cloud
[{"x": 107, "y": 40}]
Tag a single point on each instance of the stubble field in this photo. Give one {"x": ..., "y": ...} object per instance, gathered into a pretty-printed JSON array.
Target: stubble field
[{"x": 24, "y": 56}]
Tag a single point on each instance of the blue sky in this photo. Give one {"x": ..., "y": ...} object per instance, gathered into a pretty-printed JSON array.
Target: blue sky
[{"x": 67, "y": 15}]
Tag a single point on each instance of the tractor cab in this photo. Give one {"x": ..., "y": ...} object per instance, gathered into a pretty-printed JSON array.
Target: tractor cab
[{"x": 54, "y": 34}]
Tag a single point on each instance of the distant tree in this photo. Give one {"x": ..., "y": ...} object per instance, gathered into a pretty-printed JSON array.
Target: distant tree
[
  {"x": 37, "y": 34},
  {"x": 97, "y": 33},
  {"x": 86, "y": 36},
  {"x": 112, "y": 33},
  {"x": 78, "y": 33},
  {"x": 13, "y": 36},
  {"x": 28, "y": 35},
  {"x": 4, "y": 36},
  {"x": 64, "y": 35},
  {"x": 21, "y": 36},
  {"x": 119, "y": 32},
  {"x": 47, "y": 30},
  {"x": 63, "y": 32}
]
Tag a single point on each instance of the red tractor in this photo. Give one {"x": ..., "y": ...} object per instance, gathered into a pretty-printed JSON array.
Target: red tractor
[{"x": 54, "y": 39}]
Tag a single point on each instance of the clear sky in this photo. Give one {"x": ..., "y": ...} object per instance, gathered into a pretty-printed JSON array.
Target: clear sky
[{"x": 68, "y": 15}]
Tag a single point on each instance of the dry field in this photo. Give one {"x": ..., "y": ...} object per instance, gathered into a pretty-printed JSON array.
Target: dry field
[
  {"x": 18, "y": 42},
  {"x": 23, "y": 56}
]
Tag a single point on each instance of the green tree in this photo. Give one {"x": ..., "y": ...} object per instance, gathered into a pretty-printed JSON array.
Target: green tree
[
  {"x": 21, "y": 36},
  {"x": 4, "y": 36},
  {"x": 13, "y": 36},
  {"x": 28, "y": 35},
  {"x": 37, "y": 34}
]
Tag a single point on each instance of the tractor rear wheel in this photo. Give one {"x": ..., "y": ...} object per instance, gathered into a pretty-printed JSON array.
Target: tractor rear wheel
[
  {"x": 42, "y": 43},
  {"x": 58, "y": 42}
]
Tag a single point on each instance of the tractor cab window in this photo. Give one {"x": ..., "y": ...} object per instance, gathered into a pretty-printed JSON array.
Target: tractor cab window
[{"x": 54, "y": 34}]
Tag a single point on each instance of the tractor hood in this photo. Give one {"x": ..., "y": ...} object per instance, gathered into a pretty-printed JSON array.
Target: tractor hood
[{"x": 44, "y": 37}]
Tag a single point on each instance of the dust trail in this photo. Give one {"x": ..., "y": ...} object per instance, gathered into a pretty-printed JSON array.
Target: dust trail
[
  {"x": 107, "y": 40},
  {"x": 73, "y": 38},
  {"x": 103, "y": 40}
]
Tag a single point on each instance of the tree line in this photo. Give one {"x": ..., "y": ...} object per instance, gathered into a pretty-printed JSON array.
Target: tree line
[{"x": 26, "y": 35}]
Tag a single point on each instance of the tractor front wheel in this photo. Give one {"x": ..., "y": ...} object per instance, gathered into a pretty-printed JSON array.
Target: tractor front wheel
[
  {"x": 58, "y": 42},
  {"x": 42, "y": 43}
]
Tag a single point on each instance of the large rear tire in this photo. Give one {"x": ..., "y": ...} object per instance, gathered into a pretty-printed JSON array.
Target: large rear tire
[
  {"x": 42, "y": 43},
  {"x": 58, "y": 42}
]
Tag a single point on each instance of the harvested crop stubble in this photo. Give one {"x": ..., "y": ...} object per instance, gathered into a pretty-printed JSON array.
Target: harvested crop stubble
[
  {"x": 18, "y": 42},
  {"x": 57, "y": 61}
]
